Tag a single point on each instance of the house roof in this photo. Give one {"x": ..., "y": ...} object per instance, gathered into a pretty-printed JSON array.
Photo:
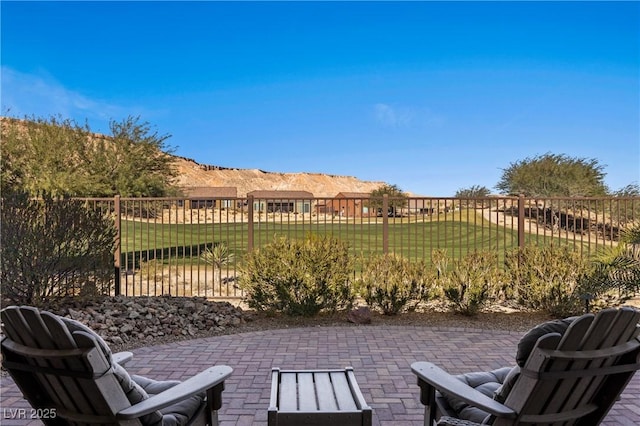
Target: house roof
[
  {"x": 281, "y": 194},
  {"x": 353, "y": 195},
  {"x": 210, "y": 191}
]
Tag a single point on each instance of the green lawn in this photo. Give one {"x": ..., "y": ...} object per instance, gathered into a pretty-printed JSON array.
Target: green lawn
[{"x": 458, "y": 233}]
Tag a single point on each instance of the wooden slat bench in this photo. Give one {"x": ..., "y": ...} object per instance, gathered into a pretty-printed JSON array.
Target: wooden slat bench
[{"x": 317, "y": 397}]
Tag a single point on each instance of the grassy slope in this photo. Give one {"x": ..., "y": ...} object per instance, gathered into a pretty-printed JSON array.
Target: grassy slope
[{"x": 458, "y": 233}]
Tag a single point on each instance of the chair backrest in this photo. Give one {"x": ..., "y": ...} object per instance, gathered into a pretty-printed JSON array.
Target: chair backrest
[
  {"x": 55, "y": 366},
  {"x": 576, "y": 377}
]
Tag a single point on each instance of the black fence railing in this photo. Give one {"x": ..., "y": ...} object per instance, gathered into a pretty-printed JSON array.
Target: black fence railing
[{"x": 188, "y": 247}]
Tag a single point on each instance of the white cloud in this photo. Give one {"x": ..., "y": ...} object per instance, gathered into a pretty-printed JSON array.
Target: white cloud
[
  {"x": 400, "y": 117},
  {"x": 392, "y": 117}
]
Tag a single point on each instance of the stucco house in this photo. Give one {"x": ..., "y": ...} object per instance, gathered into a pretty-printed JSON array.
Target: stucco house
[
  {"x": 282, "y": 201},
  {"x": 350, "y": 204},
  {"x": 196, "y": 197}
]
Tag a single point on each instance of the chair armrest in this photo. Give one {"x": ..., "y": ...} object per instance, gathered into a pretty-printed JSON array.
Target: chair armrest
[
  {"x": 207, "y": 379},
  {"x": 122, "y": 357},
  {"x": 446, "y": 383}
]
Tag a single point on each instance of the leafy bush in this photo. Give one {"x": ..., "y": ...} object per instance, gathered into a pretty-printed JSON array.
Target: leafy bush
[
  {"x": 299, "y": 277},
  {"x": 53, "y": 248},
  {"x": 548, "y": 278},
  {"x": 615, "y": 273},
  {"x": 393, "y": 284},
  {"x": 468, "y": 283}
]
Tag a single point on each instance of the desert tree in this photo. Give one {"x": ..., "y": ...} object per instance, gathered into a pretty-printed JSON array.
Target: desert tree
[
  {"x": 60, "y": 157},
  {"x": 631, "y": 190},
  {"x": 553, "y": 175},
  {"x": 474, "y": 191},
  {"x": 397, "y": 198},
  {"x": 627, "y": 209},
  {"x": 139, "y": 164},
  {"x": 44, "y": 156}
]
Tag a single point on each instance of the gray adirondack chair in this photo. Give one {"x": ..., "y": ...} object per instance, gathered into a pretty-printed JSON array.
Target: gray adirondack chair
[
  {"x": 572, "y": 376},
  {"x": 69, "y": 376}
]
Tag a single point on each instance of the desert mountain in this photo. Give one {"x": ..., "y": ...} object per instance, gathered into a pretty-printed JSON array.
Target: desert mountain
[{"x": 192, "y": 174}]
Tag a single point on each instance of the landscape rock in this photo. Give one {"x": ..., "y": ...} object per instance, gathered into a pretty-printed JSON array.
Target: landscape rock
[
  {"x": 361, "y": 315},
  {"x": 119, "y": 319}
]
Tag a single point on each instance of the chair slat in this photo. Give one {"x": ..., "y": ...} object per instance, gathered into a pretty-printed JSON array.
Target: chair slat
[
  {"x": 18, "y": 329},
  {"x": 288, "y": 397},
  {"x": 571, "y": 340},
  {"x": 324, "y": 389},
  {"x": 342, "y": 391},
  {"x": 620, "y": 327},
  {"x": 307, "y": 393},
  {"x": 519, "y": 397},
  {"x": 65, "y": 387}
]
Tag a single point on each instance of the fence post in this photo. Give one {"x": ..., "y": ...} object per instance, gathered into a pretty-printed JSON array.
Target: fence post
[
  {"x": 521, "y": 221},
  {"x": 250, "y": 224},
  {"x": 118, "y": 244},
  {"x": 385, "y": 223}
]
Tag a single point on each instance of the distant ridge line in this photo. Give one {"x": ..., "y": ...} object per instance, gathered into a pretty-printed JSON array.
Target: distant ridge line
[{"x": 210, "y": 167}]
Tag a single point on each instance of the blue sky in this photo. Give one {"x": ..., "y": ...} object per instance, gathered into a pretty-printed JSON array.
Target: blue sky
[{"x": 430, "y": 96}]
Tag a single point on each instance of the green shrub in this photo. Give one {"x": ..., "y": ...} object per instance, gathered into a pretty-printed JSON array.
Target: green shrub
[
  {"x": 548, "y": 278},
  {"x": 393, "y": 284},
  {"x": 218, "y": 256},
  {"x": 52, "y": 248},
  {"x": 468, "y": 283},
  {"x": 615, "y": 272},
  {"x": 299, "y": 277}
]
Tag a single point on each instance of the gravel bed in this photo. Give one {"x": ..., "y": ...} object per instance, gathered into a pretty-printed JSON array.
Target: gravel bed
[{"x": 129, "y": 323}]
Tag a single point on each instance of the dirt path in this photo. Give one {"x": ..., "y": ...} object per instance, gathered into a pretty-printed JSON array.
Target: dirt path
[{"x": 532, "y": 227}]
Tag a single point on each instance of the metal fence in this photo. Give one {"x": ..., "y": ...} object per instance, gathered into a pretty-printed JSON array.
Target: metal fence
[{"x": 189, "y": 247}]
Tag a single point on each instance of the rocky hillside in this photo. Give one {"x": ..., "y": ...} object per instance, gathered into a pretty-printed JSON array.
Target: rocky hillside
[{"x": 192, "y": 174}]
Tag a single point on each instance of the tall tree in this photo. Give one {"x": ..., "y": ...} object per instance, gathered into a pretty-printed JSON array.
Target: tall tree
[
  {"x": 39, "y": 156},
  {"x": 133, "y": 161},
  {"x": 553, "y": 175},
  {"x": 58, "y": 157},
  {"x": 475, "y": 191},
  {"x": 631, "y": 190},
  {"x": 625, "y": 210},
  {"x": 397, "y": 198}
]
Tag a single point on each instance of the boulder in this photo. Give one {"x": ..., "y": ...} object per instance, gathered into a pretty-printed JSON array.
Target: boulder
[{"x": 361, "y": 315}]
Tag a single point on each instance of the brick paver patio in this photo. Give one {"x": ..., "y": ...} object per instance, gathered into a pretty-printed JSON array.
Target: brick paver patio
[{"x": 380, "y": 355}]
